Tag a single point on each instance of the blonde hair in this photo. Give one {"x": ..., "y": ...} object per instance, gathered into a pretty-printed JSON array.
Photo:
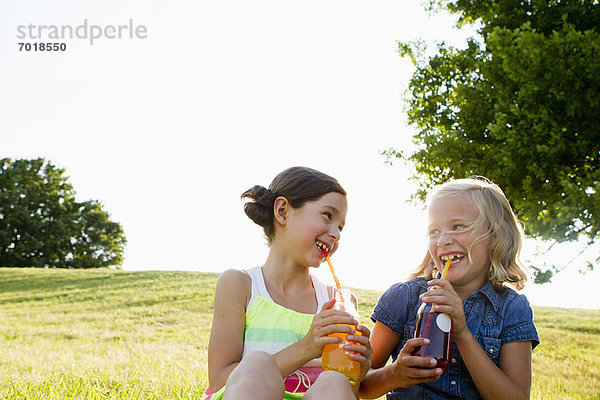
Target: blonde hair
[{"x": 496, "y": 220}]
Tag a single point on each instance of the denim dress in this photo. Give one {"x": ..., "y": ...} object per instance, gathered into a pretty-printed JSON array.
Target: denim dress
[{"x": 493, "y": 317}]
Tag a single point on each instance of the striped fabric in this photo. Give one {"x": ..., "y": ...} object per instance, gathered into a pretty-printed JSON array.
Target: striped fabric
[{"x": 271, "y": 327}]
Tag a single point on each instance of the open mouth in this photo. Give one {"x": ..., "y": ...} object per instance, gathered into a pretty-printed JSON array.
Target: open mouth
[
  {"x": 322, "y": 246},
  {"x": 454, "y": 258}
]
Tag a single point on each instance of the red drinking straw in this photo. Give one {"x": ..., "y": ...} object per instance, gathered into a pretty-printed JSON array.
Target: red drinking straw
[{"x": 337, "y": 282}]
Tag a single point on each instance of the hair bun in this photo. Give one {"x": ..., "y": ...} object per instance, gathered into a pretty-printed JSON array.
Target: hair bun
[{"x": 259, "y": 208}]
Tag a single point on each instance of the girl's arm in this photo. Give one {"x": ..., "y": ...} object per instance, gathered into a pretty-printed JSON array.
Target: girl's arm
[
  {"x": 226, "y": 343},
  {"x": 511, "y": 379},
  {"x": 407, "y": 370}
]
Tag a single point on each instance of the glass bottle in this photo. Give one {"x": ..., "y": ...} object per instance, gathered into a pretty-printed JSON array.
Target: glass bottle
[
  {"x": 335, "y": 357},
  {"x": 437, "y": 327}
]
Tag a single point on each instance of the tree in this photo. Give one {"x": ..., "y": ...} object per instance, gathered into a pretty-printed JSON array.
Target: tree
[
  {"x": 42, "y": 224},
  {"x": 520, "y": 105}
]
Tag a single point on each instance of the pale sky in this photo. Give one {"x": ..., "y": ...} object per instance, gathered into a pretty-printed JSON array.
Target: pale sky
[{"x": 168, "y": 130}]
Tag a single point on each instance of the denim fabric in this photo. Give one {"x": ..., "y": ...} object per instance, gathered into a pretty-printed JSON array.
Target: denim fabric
[{"x": 493, "y": 317}]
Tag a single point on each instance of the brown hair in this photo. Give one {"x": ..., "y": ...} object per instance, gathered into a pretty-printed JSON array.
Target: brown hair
[
  {"x": 497, "y": 220},
  {"x": 297, "y": 184}
]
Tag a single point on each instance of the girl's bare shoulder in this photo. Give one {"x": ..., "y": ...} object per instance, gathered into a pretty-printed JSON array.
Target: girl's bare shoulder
[
  {"x": 234, "y": 283},
  {"x": 234, "y": 275}
]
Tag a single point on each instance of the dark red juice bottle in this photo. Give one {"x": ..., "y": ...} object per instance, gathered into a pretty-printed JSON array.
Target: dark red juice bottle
[{"x": 437, "y": 327}]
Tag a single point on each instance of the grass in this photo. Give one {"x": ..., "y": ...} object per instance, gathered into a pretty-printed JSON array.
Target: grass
[
  {"x": 98, "y": 334},
  {"x": 566, "y": 365},
  {"x": 103, "y": 334}
]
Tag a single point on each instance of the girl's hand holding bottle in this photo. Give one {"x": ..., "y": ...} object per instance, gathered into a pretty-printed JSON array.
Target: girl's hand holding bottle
[
  {"x": 325, "y": 323},
  {"x": 447, "y": 301},
  {"x": 361, "y": 351},
  {"x": 411, "y": 370},
  {"x": 329, "y": 321},
  {"x": 340, "y": 356}
]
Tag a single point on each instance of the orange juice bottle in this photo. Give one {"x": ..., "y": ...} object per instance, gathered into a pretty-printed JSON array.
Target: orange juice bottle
[{"x": 335, "y": 357}]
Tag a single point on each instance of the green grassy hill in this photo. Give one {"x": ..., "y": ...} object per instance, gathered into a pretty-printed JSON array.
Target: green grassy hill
[{"x": 100, "y": 334}]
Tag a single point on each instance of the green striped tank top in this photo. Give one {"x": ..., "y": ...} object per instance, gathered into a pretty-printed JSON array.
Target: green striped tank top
[{"x": 271, "y": 327}]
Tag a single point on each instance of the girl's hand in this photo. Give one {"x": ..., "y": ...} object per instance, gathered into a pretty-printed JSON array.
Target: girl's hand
[
  {"x": 325, "y": 323},
  {"x": 361, "y": 351},
  {"x": 411, "y": 370},
  {"x": 447, "y": 301}
]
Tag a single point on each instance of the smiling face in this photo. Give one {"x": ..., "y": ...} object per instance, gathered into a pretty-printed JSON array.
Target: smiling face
[
  {"x": 316, "y": 224},
  {"x": 451, "y": 236}
]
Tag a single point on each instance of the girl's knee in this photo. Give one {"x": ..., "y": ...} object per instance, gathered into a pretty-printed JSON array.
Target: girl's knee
[
  {"x": 333, "y": 378},
  {"x": 259, "y": 365},
  {"x": 330, "y": 385},
  {"x": 258, "y": 359},
  {"x": 256, "y": 373}
]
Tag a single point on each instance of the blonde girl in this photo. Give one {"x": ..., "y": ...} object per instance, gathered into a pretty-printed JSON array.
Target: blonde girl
[{"x": 470, "y": 222}]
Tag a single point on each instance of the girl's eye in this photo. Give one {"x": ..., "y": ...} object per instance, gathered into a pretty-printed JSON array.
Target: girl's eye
[
  {"x": 328, "y": 215},
  {"x": 461, "y": 227},
  {"x": 433, "y": 233}
]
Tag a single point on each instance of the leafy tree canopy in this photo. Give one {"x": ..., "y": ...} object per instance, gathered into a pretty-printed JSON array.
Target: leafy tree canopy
[
  {"x": 42, "y": 225},
  {"x": 519, "y": 104}
]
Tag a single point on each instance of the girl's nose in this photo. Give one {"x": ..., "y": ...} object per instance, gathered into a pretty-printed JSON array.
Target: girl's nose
[
  {"x": 444, "y": 239},
  {"x": 335, "y": 234}
]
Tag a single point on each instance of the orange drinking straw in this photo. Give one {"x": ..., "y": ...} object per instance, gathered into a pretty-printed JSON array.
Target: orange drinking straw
[
  {"x": 337, "y": 282},
  {"x": 444, "y": 272}
]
